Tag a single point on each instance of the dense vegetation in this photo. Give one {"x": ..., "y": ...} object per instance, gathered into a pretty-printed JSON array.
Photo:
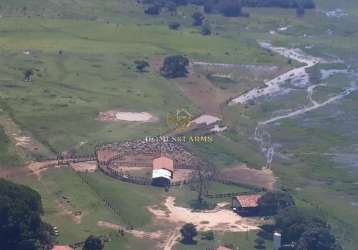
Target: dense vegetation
[
  {"x": 93, "y": 243},
  {"x": 229, "y": 8},
  {"x": 305, "y": 230},
  {"x": 21, "y": 227},
  {"x": 188, "y": 232},
  {"x": 272, "y": 202},
  {"x": 174, "y": 66},
  {"x": 307, "y": 4}
]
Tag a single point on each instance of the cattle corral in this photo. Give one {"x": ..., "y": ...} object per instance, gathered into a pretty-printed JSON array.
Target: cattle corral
[{"x": 132, "y": 161}]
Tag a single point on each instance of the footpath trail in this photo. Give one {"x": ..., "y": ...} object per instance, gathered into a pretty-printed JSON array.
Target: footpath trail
[{"x": 315, "y": 105}]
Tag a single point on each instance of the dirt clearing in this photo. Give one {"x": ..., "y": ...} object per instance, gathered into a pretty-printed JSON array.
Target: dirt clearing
[
  {"x": 116, "y": 115},
  {"x": 242, "y": 174},
  {"x": 88, "y": 166},
  {"x": 23, "y": 142},
  {"x": 216, "y": 220},
  {"x": 136, "y": 233}
]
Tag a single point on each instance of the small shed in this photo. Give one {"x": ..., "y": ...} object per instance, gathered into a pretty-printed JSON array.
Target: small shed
[
  {"x": 163, "y": 171},
  {"x": 246, "y": 204}
]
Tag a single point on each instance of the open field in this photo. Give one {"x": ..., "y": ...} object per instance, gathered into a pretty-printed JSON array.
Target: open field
[
  {"x": 245, "y": 241},
  {"x": 95, "y": 73},
  {"x": 8, "y": 156}
]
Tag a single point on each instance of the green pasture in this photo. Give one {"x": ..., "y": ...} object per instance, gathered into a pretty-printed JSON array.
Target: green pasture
[
  {"x": 100, "y": 40},
  {"x": 242, "y": 240},
  {"x": 95, "y": 73},
  {"x": 8, "y": 155}
]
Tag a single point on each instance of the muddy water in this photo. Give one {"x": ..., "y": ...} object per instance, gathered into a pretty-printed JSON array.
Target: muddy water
[{"x": 300, "y": 76}]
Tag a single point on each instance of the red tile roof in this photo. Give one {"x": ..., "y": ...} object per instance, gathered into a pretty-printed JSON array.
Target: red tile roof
[
  {"x": 163, "y": 163},
  {"x": 248, "y": 200}
]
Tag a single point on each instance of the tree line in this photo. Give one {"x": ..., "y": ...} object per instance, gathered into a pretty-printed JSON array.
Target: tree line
[
  {"x": 230, "y": 8},
  {"x": 21, "y": 225},
  {"x": 302, "y": 229}
]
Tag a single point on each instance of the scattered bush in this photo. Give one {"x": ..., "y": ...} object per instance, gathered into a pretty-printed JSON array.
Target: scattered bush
[
  {"x": 174, "y": 25},
  {"x": 141, "y": 65},
  {"x": 205, "y": 30},
  {"x": 174, "y": 66},
  {"x": 188, "y": 232},
  {"x": 93, "y": 243},
  {"x": 198, "y": 18},
  {"x": 230, "y": 8},
  {"x": 153, "y": 10},
  {"x": 209, "y": 235},
  {"x": 28, "y": 75}
]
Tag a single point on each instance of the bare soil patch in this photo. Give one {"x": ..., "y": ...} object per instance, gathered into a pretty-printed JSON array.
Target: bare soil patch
[
  {"x": 18, "y": 137},
  {"x": 117, "y": 115},
  {"x": 88, "y": 166},
  {"x": 137, "y": 233},
  {"x": 182, "y": 174},
  {"x": 217, "y": 220},
  {"x": 37, "y": 167},
  {"x": 242, "y": 174},
  {"x": 76, "y": 217}
]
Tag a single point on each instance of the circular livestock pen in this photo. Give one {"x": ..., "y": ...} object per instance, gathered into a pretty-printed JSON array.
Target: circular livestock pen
[{"x": 161, "y": 163}]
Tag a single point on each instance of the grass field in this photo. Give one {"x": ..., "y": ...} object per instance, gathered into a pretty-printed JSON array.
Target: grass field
[
  {"x": 8, "y": 155},
  {"x": 244, "y": 241},
  {"x": 100, "y": 40}
]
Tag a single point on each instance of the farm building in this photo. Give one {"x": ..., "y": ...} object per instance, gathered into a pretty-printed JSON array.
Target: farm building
[
  {"x": 163, "y": 170},
  {"x": 245, "y": 204}
]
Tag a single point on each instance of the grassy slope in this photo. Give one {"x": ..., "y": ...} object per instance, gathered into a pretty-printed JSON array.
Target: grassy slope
[
  {"x": 313, "y": 178},
  {"x": 8, "y": 156},
  {"x": 245, "y": 241},
  {"x": 59, "y": 183},
  {"x": 95, "y": 73},
  {"x": 79, "y": 38}
]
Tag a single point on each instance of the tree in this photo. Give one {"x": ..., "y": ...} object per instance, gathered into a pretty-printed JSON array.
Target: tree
[
  {"x": 300, "y": 11},
  {"x": 153, "y": 10},
  {"x": 198, "y": 18},
  {"x": 272, "y": 202},
  {"x": 205, "y": 30},
  {"x": 21, "y": 227},
  {"x": 93, "y": 243},
  {"x": 317, "y": 238},
  {"x": 293, "y": 222},
  {"x": 28, "y": 75},
  {"x": 188, "y": 232},
  {"x": 259, "y": 243},
  {"x": 197, "y": 2},
  {"x": 171, "y": 7},
  {"x": 209, "y": 235},
  {"x": 174, "y": 25},
  {"x": 141, "y": 65},
  {"x": 209, "y": 6},
  {"x": 174, "y": 66},
  {"x": 230, "y": 8},
  {"x": 180, "y": 2}
]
